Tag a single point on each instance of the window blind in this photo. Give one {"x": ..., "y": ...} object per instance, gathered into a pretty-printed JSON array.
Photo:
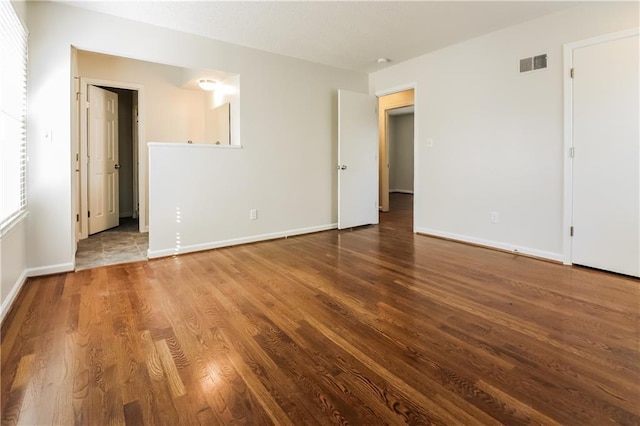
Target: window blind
[{"x": 13, "y": 102}]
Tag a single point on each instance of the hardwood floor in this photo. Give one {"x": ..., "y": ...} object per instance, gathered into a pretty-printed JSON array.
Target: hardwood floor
[{"x": 367, "y": 326}]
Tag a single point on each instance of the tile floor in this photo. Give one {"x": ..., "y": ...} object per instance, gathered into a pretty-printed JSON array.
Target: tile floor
[{"x": 117, "y": 245}]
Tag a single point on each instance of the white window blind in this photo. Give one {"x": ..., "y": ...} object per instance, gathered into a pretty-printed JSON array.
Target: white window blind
[{"x": 13, "y": 102}]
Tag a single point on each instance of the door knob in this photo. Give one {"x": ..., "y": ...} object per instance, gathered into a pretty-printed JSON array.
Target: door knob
[{"x": 117, "y": 166}]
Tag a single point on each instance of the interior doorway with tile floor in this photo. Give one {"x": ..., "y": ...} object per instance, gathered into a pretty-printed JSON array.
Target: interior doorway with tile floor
[{"x": 122, "y": 244}]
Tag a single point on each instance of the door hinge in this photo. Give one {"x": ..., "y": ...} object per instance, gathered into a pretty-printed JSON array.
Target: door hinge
[
  {"x": 78, "y": 217},
  {"x": 571, "y": 231},
  {"x": 571, "y": 73},
  {"x": 88, "y": 214},
  {"x": 572, "y": 152}
]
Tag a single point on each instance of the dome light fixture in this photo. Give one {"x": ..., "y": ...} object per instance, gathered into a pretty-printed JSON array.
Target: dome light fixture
[
  {"x": 383, "y": 60},
  {"x": 207, "y": 84}
]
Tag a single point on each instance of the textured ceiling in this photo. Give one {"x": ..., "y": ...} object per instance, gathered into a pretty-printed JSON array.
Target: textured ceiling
[{"x": 350, "y": 35}]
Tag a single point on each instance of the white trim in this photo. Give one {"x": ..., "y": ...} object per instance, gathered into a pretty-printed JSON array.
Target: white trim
[
  {"x": 402, "y": 191},
  {"x": 193, "y": 145},
  {"x": 396, "y": 89},
  {"x": 416, "y": 155},
  {"x": 568, "y": 130},
  {"x": 152, "y": 254},
  {"x": 492, "y": 244},
  {"x": 567, "y": 211},
  {"x": 13, "y": 224},
  {"x": 142, "y": 159},
  {"x": 50, "y": 269},
  {"x": 11, "y": 297}
]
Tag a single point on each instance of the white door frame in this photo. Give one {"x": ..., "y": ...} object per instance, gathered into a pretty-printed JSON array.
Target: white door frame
[
  {"x": 416, "y": 170},
  {"x": 83, "y": 149},
  {"x": 135, "y": 158},
  {"x": 568, "y": 131}
]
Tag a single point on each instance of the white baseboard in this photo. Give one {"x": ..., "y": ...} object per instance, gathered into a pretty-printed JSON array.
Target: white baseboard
[
  {"x": 11, "y": 297},
  {"x": 556, "y": 257},
  {"x": 50, "y": 269},
  {"x": 152, "y": 254},
  {"x": 402, "y": 191}
]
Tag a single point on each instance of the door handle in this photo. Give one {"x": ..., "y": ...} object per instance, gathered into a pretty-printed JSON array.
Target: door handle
[
  {"x": 342, "y": 167},
  {"x": 117, "y": 166}
]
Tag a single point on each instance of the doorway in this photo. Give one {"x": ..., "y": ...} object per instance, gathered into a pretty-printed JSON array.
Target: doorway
[
  {"x": 396, "y": 130},
  {"x": 401, "y": 149},
  {"x": 130, "y": 191},
  {"x": 123, "y": 240},
  {"x": 111, "y": 147},
  {"x": 390, "y": 107},
  {"x": 364, "y": 163},
  {"x": 127, "y": 153}
]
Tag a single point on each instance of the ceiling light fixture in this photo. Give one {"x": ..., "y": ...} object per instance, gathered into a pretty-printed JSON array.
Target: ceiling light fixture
[
  {"x": 383, "y": 60},
  {"x": 206, "y": 84}
]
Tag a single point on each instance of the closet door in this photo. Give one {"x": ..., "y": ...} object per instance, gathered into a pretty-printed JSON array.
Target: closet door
[{"x": 606, "y": 181}]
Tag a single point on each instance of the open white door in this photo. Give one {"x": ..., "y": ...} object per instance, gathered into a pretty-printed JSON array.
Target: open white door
[
  {"x": 357, "y": 159},
  {"x": 606, "y": 179},
  {"x": 103, "y": 160}
]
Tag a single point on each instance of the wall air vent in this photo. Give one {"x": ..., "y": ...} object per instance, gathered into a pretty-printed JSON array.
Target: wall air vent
[
  {"x": 539, "y": 62},
  {"x": 533, "y": 63},
  {"x": 526, "y": 64}
]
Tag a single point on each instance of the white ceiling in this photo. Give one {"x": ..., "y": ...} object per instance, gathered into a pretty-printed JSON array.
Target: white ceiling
[{"x": 349, "y": 35}]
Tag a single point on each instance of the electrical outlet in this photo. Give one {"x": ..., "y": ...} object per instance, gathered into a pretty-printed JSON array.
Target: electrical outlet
[
  {"x": 253, "y": 214},
  {"x": 495, "y": 217}
]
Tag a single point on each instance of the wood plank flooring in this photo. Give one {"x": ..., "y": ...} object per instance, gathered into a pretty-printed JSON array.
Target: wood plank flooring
[{"x": 368, "y": 326}]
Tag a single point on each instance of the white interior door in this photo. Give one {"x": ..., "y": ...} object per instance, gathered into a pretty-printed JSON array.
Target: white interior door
[
  {"x": 103, "y": 159},
  {"x": 606, "y": 180},
  {"x": 357, "y": 159}
]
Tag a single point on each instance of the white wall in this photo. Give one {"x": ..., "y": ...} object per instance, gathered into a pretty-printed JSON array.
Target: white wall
[
  {"x": 172, "y": 114},
  {"x": 401, "y": 153},
  {"x": 217, "y": 125},
  {"x": 13, "y": 265},
  {"x": 186, "y": 217},
  {"x": 229, "y": 93},
  {"x": 285, "y": 168},
  {"x": 498, "y": 134},
  {"x": 13, "y": 259}
]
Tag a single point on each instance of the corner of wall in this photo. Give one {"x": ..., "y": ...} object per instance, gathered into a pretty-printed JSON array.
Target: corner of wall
[{"x": 7, "y": 303}]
